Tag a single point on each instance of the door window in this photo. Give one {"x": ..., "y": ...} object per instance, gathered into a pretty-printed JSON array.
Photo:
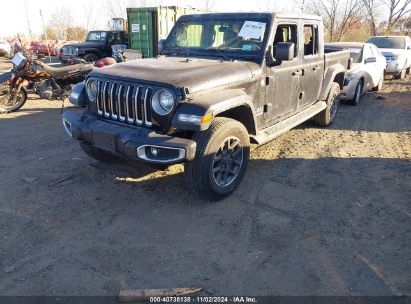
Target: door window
[
  {"x": 310, "y": 40},
  {"x": 286, "y": 33}
]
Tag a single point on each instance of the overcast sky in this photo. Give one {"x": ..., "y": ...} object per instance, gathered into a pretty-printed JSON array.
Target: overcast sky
[{"x": 13, "y": 15}]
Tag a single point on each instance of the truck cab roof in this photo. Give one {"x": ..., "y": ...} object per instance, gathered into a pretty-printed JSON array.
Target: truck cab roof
[{"x": 259, "y": 14}]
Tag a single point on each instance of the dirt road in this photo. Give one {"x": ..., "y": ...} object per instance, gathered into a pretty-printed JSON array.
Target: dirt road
[{"x": 320, "y": 212}]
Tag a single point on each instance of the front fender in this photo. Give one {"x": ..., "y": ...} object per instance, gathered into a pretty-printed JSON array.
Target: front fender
[
  {"x": 5, "y": 77},
  {"x": 332, "y": 74},
  {"x": 213, "y": 103}
]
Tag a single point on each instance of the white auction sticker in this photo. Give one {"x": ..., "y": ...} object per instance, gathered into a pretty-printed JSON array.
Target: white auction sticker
[
  {"x": 252, "y": 30},
  {"x": 135, "y": 28}
]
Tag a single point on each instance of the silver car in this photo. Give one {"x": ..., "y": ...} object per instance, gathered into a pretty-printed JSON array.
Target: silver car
[
  {"x": 366, "y": 72},
  {"x": 397, "y": 51}
]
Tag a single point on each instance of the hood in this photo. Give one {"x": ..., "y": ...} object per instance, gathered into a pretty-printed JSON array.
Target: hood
[
  {"x": 192, "y": 73},
  {"x": 84, "y": 45},
  {"x": 392, "y": 52}
]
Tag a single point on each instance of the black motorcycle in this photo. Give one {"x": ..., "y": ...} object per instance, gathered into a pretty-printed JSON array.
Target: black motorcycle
[{"x": 29, "y": 75}]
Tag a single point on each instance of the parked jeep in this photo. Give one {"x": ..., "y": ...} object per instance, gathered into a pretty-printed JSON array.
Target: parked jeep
[
  {"x": 97, "y": 45},
  {"x": 222, "y": 81}
]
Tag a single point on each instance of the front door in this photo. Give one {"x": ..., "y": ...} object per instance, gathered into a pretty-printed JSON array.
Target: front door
[{"x": 283, "y": 80}]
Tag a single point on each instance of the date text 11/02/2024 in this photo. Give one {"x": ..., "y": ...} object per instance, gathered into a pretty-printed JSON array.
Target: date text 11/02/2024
[{"x": 203, "y": 300}]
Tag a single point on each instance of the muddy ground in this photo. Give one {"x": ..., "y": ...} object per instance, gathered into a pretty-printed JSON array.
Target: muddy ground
[{"x": 319, "y": 212}]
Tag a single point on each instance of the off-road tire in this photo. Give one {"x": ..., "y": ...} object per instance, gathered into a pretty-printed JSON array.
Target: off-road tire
[
  {"x": 380, "y": 83},
  {"x": 325, "y": 117},
  {"x": 199, "y": 172},
  {"x": 401, "y": 75},
  {"x": 358, "y": 92},
  {"x": 99, "y": 154},
  {"x": 8, "y": 109},
  {"x": 91, "y": 58}
]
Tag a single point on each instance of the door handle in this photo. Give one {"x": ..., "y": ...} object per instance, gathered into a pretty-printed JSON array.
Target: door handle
[
  {"x": 297, "y": 73},
  {"x": 316, "y": 68}
]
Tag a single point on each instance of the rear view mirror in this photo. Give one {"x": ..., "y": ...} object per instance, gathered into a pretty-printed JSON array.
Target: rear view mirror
[
  {"x": 370, "y": 60},
  {"x": 284, "y": 51}
]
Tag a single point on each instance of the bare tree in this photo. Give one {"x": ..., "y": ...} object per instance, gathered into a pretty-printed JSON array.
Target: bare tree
[
  {"x": 398, "y": 9},
  {"x": 373, "y": 9},
  {"x": 27, "y": 17},
  {"x": 90, "y": 13},
  {"x": 118, "y": 8},
  {"x": 338, "y": 15},
  {"x": 61, "y": 20},
  {"x": 301, "y": 4},
  {"x": 208, "y": 4}
]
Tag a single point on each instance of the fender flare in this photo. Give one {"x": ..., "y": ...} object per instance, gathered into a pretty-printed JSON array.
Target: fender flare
[
  {"x": 332, "y": 74},
  {"x": 90, "y": 51},
  {"x": 216, "y": 104}
]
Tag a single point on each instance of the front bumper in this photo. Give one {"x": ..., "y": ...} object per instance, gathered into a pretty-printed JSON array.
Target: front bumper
[
  {"x": 132, "y": 143},
  {"x": 394, "y": 67}
]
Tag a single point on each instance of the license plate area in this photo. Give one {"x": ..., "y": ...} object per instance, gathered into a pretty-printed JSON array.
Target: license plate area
[{"x": 103, "y": 140}]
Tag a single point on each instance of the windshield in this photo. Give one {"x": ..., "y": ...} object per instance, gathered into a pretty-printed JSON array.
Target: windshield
[
  {"x": 216, "y": 35},
  {"x": 96, "y": 36},
  {"x": 388, "y": 42}
]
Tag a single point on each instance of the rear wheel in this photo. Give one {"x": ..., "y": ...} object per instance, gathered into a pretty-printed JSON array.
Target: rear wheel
[
  {"x": 357, "y": 94},
  {"x": 99, "y": 154},
  {"x": 327, "y": 116},
  {"x": 10, "y": 99},
  {"x": 222, "y": 155}
]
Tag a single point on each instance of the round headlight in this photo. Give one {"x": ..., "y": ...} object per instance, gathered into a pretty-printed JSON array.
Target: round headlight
[
  {"x": 162, "y": 102},
  {"x": 91, "y": 89}
]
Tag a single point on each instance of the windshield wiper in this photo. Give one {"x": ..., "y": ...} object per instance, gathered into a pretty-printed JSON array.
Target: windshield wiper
[{"x": 176, "y": 51}]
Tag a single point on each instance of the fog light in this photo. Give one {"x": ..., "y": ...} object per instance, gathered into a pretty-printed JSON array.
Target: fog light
[
  {"x": 154, "y": 151},
  {"x": 67, "y": 127}
]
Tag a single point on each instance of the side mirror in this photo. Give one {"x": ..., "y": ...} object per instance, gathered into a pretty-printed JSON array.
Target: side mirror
[
  {"x": 350, "y": 62},
  {"x": 161, "y": 43},
  {"x": 370, "y": 60},
  {"x": 284, "y": 51},
  {"x": 409, "y": 47}
]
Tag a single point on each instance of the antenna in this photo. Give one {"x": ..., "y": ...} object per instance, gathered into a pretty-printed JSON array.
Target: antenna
[{"x": 45, "y": 34}]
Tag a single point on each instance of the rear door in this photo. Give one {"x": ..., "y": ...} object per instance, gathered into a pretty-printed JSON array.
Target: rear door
[
  {"x": 283, "y": 81},
  {"x": 313, "y": 64},
  {"x": 371, "y": 75}
]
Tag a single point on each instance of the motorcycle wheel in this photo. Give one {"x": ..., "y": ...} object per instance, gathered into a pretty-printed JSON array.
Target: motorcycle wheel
[{"x": 7, "y": 101}]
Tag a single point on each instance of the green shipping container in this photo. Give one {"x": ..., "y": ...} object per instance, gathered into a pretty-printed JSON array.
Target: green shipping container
[{"x": 148, "y": 25}]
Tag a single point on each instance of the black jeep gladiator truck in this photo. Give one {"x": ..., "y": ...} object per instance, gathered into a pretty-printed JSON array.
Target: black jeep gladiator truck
[
  {"x": 97, "y": 45},
  {"x": 222, "y": 81}
]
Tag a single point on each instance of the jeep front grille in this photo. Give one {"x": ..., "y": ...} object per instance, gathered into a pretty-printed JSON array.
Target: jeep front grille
[{"x": 129, "y": 103}]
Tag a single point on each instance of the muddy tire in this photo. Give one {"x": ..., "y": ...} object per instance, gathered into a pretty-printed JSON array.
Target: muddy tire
[
  {"x": 91, "y": 58},
  {"x": 380, "y": 83},
  {"x": 99, "y": 154},
  {"x": 357, "y": 95},
  {"x": 326, "y": 117},
  {"x": 401, "y": 75},
  {"x": 222, "y": 155}
]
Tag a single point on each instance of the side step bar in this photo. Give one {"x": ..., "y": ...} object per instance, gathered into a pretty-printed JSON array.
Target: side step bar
[{"x": 283, "y": 126}]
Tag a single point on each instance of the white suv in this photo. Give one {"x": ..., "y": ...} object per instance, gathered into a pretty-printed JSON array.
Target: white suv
[{"x": 397, "y": 52}]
